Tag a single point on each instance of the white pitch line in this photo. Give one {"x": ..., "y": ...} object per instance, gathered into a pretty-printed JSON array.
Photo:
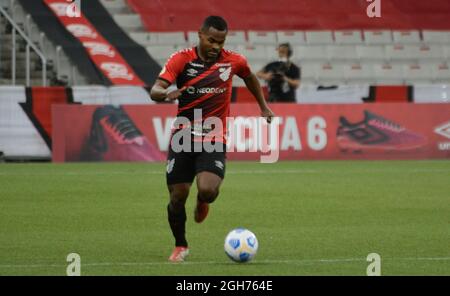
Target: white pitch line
[
  {"x": 428, "y": 259},
  {"x": 295, "y": 262},
  {"x": 232, "y": 172}
]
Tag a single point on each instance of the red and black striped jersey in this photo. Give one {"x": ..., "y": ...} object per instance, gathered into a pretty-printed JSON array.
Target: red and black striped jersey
[{"x": 209, "y": 85}]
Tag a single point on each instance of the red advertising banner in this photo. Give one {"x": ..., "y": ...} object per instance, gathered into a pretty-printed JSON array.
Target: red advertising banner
[
  {"x": 107, "y": 59},
  {"x": 351, "y": 131}
]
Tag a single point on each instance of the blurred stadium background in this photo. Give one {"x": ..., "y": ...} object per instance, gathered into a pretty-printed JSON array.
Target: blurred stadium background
[{"x": 57, "y": 74}]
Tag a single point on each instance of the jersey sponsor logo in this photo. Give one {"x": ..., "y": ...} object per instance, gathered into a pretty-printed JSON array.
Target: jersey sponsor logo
[
  {"x": 190, "y": 90},
  {"x": 211, "y": 90},
  {"x": 191, "y": 72},
  {"x": 206, "y": 90},
  {"x": 225, "y": 73}
]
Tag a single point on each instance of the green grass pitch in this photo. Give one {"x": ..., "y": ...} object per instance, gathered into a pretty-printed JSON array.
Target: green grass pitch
[{"x": 311, "y": 218}]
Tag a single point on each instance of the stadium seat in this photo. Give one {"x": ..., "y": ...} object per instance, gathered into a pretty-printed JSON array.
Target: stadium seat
[
  {"x": 161, "y": 52},
  {"x": 238, "y": 82},
  {"x": 128, "y": 22},
  {"x": 308, "y": 81},
  {"x": 294, "y": 14},
  {"x": 377, "y": 37},
  {"x": 292, "y": 37},
  {"x": 388, "y": 74},
  {"x": 236, "y": 38},
  {"x": 309, "y": 72},
  {"x": 429, "y": 52},
  {"x": 161, "y": 62},
  {"x": 142, "y": 38},
  {"x": 401, "y": 52},
  {"x": 230, "y": 47},
  {"x": 255, "y": 66},
  {"x": 342, "y": 52},
  {"x": 272, "y": 52},
  {"x": 262, "y": 37},
  {"x": 348, "y": 37},
  {"x": 168, "y": 38},
  {"x": 417, "y": 73},
  {"x": 446, "y": 50},
  {"x": 436, "y": 37},
  {"x": 330, "y": 73},
  {"x": 371, "y": 52},
  {"x": 319, "y": 37},
  {"x": 192, "y": 38},
  {"x": 233, "y": 38},
  {"x": 305, "y": 52},
  {"x": 406, "y": 37},
  {"x": 256, "y": 52},
  {"x": 358, "y": 73},
  {"x": 440, "y": 73},
  {"x": 115, "y": 6}
]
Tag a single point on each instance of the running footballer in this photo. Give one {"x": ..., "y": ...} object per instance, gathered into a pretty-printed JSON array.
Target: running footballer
[{"x": 203, "y": 75}]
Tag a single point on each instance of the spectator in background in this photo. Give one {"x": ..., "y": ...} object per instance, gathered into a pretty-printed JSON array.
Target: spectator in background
[{"x": 282, "y": 76}]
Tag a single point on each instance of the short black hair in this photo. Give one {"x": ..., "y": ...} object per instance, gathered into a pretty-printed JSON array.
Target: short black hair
[
  {"x": 217, "y": 22},
  {"x": 288, "y": 46}
]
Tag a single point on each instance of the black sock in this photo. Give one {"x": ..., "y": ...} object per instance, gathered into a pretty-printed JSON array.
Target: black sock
[{"x": 177, "y": 221}]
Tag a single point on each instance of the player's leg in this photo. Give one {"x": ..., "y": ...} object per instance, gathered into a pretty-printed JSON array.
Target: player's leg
[
  {"x": 208, "y": 185},
  {"x": 180, "y": 175},
  {"x": 210, "y": 167},
  {"x": 176, "y": 212}
]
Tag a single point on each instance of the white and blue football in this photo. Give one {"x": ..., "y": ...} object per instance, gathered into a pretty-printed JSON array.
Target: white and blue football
[{"x": 241, "y": 245}]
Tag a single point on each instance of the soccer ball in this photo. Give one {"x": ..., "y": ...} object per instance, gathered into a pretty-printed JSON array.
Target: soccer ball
[{"x": 241, "y": 245}]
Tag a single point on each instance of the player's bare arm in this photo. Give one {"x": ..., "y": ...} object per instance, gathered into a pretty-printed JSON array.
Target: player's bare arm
[
  {"x": 264, "y": 75},
  {"x": 254, "y": 87},
  {"x": 160, "y": 91},
  {"x": 295, "y": 83}
]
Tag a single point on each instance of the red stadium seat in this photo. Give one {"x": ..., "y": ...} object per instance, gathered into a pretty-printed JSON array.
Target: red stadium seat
[{"x": 176, "y": 15}]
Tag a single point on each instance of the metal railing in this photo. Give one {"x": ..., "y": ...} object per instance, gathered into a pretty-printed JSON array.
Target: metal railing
[{"x": 29, "y": 44}]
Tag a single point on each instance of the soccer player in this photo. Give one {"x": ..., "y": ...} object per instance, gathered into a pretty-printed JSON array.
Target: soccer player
[{"x": 203, "y": 75}]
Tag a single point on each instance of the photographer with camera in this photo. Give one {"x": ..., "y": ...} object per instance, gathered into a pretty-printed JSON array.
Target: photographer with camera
[{"x": 282, "y": 76}]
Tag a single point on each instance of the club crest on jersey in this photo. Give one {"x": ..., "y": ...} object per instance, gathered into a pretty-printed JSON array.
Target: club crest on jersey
[{"x": 225, "y": 73}]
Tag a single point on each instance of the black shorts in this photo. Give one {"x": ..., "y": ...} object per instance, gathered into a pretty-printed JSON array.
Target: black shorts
[{"x": 182, "y": 167}]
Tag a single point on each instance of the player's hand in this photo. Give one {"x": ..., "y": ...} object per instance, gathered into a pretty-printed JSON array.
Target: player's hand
[
  {"x": 267, "y": 114},
  {"x": 173, "y": 95}
]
